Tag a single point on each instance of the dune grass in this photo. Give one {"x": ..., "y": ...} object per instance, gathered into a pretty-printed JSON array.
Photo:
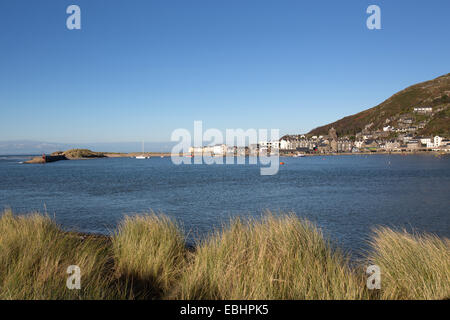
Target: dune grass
[
  {"x": 35, "y": 255},
  {"x": 275, "y": 257},
  {"x": 413, "y": 266},
  {"x": 150, "y": 250}
]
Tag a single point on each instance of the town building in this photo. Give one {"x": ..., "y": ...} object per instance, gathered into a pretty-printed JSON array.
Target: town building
[
  {"x": 437, "y": 141},
  {"x": 423, "y": 110},
  {"x": 220, "y": 149},
  {"x": 413, "y": 145}
]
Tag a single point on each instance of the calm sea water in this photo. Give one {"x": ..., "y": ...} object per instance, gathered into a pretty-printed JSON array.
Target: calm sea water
[{"x": 345, "y": 195}]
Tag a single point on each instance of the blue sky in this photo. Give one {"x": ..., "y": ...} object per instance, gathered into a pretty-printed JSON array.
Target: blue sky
[{"x": 137, "y": 70}]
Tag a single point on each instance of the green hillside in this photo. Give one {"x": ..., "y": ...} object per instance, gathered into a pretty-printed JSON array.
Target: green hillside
[
  {"x": 434, "y": 93},
  {"x": 79, "y": 154}
]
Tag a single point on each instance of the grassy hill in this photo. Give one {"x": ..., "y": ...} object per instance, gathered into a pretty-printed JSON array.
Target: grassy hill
[
  {"x": 72, "y": 154},
  {"x": 79, "y": 154},
  {"x": 434, "y": 93}
]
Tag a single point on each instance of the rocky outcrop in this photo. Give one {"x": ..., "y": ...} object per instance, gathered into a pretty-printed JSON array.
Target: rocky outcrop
[
  {"x": 46, "y": 159},
  {"x": 73, "y": 154}
]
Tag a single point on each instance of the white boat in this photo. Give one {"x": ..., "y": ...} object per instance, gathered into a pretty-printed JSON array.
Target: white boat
[
  {"x": 142, "y": 156},
  {"x": 299, "y": 155}
]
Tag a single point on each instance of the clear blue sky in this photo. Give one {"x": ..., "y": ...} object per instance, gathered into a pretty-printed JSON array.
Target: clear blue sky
[{"x": 140, "y": 69}]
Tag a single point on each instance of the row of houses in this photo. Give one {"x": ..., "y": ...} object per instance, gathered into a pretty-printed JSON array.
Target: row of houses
[
  {"x": 324, "y": 144},
  {"x": 220, "y": 149},
  {"x": 320, "y": 144}
]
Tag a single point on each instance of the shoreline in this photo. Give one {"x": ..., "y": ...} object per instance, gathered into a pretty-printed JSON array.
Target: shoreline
[{"x": 49, "y": 159}]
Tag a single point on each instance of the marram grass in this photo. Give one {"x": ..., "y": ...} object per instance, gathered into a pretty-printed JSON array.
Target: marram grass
[
  {"x": 35, "y": 255},
  {"x": 149, "y": 250},
  {"x": 275, "y": 257},
  {"x": 413, "y": 266}
]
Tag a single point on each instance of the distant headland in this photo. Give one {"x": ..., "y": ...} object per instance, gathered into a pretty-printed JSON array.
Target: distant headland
[
  {"x": 83, "y": 154},
  {"x": 67, "y": 155}
]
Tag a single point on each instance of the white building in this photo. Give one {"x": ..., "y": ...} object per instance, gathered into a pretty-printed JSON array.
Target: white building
[
  {"x": 273, "y": 145},
  {"x": 220, "y": 149},
  {"x": 423, "y": 109},
  {"x": 437, "y": 141},
  {"x": 425, "y": 141},
  {"x": 230, "y": 150},
  {"x": 208, "y": 150},
  {"x": 263, "y": 145},
  {"x": 196, "y": 150},
  {"x": 286, "y": 145}
]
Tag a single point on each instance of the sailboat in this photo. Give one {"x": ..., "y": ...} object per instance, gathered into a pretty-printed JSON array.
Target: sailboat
[
  {"x": 299, "y": 155},
  {"x": 142, "y": 156}
]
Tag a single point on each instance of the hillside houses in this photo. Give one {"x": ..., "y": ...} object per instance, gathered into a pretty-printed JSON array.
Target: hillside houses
[
  {"x": 375, "y": 141},
  {"x": 318, "y": 144},
  {"x": 369, "y": 142},
  {"x": 295, "y": 142}
]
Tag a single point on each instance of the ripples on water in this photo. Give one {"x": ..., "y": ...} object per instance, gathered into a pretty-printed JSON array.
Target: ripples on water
[{"x": 345, "y": 195}]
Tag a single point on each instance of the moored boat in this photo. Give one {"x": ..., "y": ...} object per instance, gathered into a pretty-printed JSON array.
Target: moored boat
[{"x": 299, "y": 155}]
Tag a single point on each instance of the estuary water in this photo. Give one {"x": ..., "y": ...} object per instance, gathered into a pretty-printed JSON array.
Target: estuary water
[{"x": 344, "y": 195}]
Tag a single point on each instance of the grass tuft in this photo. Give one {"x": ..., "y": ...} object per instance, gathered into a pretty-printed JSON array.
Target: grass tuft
[
  {"x": 274, "y": 258},
  {"x": 413, "y": 266},
  {"x": 35, "y": 255},
  {"x": 150, "y": 250}
]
